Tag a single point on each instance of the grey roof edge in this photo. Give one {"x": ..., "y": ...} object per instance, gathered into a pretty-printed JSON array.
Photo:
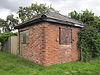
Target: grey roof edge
[
  {"x": 28, "y": 23},
  {"x": 59, "y": 16},
  {"x": 70, "y": 18},
  {"x": 62, "y": 22},
  {"x": 43, "y": 17}
]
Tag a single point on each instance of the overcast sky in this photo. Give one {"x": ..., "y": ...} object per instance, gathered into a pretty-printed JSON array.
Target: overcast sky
[{"x": 64, "y": 6}]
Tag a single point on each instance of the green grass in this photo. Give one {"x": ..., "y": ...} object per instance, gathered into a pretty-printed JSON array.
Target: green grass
[{"x": 13, "y": 65}]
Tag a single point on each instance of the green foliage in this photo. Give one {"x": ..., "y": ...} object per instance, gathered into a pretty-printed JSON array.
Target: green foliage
[
  {"x": 89, "y": 42},
  {"x": 13, "y": 65},
  {"x": 26, "y": 13},
  {"x": 4, "y": 37},
  {"x": 96, "y": 41},
  {"x": 89, "y": 36},
  {"x": 87, "y": 17},
  {"x": 75, "y": 15},
  {"x": 9, "y": 23}
]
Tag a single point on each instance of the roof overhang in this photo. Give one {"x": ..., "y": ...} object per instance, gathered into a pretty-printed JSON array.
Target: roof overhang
[{"x": 44, "y": 18}]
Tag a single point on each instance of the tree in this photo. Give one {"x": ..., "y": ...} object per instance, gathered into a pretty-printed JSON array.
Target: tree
[
  {"x": 75, "y": 15},
  {"x": 9, "y": 23},
  {"x": 26, "y": 13},
  {"x": 89, "y": 36},
  {"x": 86, "y": 17}
]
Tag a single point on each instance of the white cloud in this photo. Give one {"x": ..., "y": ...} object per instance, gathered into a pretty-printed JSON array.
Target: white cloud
[
  {"x": 64, "y": 6},
  {"x": 4, "y": 13}
]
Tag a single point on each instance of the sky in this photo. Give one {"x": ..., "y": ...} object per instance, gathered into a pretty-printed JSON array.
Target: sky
[{"x": 63, "y": 6}]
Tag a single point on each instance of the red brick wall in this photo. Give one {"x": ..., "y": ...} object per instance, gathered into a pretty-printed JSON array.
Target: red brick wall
[
  {"x": 44, "y": 48},
  {"x": 33, "y": 50},
  {"x": 56, "y": 53}
]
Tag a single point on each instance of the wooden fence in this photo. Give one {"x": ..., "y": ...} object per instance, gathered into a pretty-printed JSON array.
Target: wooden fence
[{"x": 11, "y": 45}]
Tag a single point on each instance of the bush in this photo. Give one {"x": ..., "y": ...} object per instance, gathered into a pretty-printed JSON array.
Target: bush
[
  {"x": 89, "y": 36},
  {"x": 89, "y": 43}
]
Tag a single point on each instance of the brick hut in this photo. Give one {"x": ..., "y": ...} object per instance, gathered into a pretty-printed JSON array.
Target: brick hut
[{"x": 50, "y": 38}]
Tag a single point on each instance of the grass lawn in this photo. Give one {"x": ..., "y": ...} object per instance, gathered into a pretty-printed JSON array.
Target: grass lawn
[{"x": 13, "y": 65}]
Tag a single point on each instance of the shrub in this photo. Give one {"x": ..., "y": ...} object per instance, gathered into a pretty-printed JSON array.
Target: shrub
[{"x": 89, "y": 43}]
